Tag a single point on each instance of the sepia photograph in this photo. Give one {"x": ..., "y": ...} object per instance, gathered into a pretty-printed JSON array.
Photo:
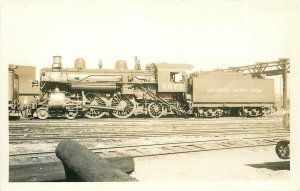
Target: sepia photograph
[{"x": 170, "y": 95}]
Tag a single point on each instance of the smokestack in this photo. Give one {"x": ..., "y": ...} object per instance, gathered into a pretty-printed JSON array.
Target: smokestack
[{"x": 56, "y": 63}]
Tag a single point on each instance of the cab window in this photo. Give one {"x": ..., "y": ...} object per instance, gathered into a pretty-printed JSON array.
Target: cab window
[{"x": 176, "y": 77}]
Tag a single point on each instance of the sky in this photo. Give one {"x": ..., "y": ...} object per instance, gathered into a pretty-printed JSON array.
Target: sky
[{"x": 207, "y": 34}]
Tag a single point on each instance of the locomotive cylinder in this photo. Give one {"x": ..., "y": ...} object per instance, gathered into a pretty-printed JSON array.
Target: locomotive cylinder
[{"x": 57, "y": 101}]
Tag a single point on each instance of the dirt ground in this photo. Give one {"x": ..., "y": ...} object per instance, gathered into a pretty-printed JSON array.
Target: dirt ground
[
  {"x": 252, "y": 163},
  {"x": 256, "y": 163}
]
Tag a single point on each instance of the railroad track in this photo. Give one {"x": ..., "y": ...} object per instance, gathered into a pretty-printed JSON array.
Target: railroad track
[
  {"x": 132, "y": 129},
  {"x": 135, "y": 125},
  {"x": 31, "y": 133},
  {"x": 137, "y": 120},
  {"x": 141, "y": 137},
  {"x": 151, "y": 124},
  {"x": 45, "y": 137},
  {"x": 145, "y": 150}
]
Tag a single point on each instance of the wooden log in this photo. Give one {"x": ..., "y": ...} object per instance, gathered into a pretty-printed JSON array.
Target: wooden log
[
  {"x": 82, "y": 164},
  {"x": 40, "y": 172},
  {"x": 54, "y": 171}
]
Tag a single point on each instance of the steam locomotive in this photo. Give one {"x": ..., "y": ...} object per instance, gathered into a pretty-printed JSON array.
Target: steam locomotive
[{"x": 159, "y": 90}]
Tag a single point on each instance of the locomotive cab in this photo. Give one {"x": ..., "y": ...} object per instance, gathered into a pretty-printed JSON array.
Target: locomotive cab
[
  {"x": 171, "y": 77},
  {"x": 171, "y": 90}
]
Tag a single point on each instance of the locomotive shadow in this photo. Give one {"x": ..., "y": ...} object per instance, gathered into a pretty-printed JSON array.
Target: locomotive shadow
[{"x": 282, "y": 165}]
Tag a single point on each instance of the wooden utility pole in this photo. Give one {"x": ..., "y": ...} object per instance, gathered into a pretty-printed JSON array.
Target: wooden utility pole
[{"x": 284, "y": 64}]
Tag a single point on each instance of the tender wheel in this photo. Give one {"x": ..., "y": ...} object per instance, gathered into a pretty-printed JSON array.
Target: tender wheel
[
  {"x": 96, "y": 101},
  {"x": 125, "y": 107},
  {"x": 155, "y": 110},
  {"x": 200, "y": 112},
  {"x": 71, "y": 114},
  {"x": 241, "y": 112},
  {"x": 42, "y": 113},
  {"x": 255, "y": 112},
  {"x": 268, "y": 111},
  {"x": 219, "y": 113},
  {"x": 283, "y": 149},
  {"x": 210, "y": 113}
]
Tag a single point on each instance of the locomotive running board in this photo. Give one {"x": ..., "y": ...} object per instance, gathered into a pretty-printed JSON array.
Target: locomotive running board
[{"x": 100, "y": 107}]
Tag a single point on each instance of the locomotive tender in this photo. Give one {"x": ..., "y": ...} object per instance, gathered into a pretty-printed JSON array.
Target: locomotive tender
[
  {"x": 13, "y": 94},
  {"x": 159, "y": 90}
]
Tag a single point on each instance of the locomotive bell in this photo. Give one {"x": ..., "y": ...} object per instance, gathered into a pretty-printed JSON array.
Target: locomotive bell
[
  {"x": 56, "y": 62},
  {"x": 79, "y": 64},
  {"x": 121, "y": 65}
]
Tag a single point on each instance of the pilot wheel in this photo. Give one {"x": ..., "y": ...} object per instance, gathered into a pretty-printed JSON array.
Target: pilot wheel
[{"x": 42, "y": 113}]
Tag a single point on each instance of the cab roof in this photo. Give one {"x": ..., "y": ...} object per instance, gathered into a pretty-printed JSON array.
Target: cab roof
[{"x": 173, "y": 67}]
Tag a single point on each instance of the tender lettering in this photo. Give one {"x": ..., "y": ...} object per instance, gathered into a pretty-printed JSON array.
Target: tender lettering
[
  {"x": 171, "y": 86},
  {"x": 233, "y": 90}
]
